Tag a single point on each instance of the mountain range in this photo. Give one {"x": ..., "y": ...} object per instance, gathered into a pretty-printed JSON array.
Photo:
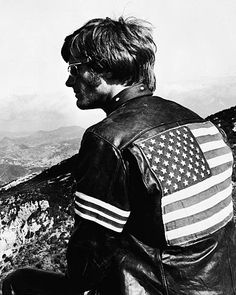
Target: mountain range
[
  {"x": 36, "y": 216},
  {"x": 29, "y": 155}
]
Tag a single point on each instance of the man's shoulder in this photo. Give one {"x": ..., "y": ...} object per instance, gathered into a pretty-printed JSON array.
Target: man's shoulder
[
  {"x": 124, "y": 123},
  {"x": 115, "y": 132},
  {"x": 137, "y": 116}
]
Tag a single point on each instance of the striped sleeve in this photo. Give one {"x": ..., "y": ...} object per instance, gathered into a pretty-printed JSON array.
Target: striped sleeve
[
  {"x": 101, "y": 195},
  {"x": 100, "y": 212}
]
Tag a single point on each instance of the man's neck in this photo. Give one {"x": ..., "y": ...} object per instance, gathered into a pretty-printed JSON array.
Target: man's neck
[{"x": 114, "y": 90}]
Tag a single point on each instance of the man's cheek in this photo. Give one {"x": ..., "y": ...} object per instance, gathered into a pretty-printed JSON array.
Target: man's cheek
[{"x": 92, "y": 80}]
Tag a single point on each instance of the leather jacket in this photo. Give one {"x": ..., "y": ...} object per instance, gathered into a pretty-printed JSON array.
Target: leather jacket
[{"x": 153, "y": 205}]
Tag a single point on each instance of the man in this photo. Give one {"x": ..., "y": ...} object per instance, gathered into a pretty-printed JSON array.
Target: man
[{"x": 153, "y": 204}]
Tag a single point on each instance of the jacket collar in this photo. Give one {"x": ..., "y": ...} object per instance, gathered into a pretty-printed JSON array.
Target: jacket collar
[{"x": 128, "y": 94}]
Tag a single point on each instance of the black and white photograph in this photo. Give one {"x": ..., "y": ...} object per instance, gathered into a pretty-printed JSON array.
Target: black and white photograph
[{"x": 117, "y": 147}]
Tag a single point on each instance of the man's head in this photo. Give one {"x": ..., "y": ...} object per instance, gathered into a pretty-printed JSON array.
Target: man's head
[{"x": 118, "y": 52}]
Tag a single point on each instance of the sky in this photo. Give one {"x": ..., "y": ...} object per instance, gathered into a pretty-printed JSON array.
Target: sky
[{"x": 195, "y": 61}]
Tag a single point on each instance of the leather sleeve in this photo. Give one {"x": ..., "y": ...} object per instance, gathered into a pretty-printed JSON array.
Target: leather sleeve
[
  {"x": 101, "y": 184},
  {"x": 101, "y": 210},
  {"x": 90, "y": 254}
]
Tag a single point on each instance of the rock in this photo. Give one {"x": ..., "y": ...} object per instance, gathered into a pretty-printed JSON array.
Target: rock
[{"x": 36, "y": 219}]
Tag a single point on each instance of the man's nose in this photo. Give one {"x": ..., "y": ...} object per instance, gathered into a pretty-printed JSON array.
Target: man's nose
[{"x": 70, "y": 81}]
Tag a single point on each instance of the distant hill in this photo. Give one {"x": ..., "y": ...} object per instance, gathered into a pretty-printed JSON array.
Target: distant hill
[
  {"x": 36, "y": 214},
  {"x": 203, "y": 95},
  {"x": 226, "y": 120},
  {"x": 10, "y": 172},
  {"x": 22, "y": 156},
  {"x": 12, "y": 134}
]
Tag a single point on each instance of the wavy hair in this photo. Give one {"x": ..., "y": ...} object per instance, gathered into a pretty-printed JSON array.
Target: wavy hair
[{"x": 124, "y": 47}]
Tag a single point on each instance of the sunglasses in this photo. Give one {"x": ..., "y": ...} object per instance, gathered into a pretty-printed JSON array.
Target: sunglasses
[{"x": 73, "y": 69}]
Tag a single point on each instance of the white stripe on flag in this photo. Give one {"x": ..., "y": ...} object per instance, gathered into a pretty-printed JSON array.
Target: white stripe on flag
[
  {"x": 103, "y": 223},
  {"x": 204, "y": 131},
  {"x": 212, "y": 145},
  {"x": 199, "y": 207},
  {"x": 196, "y": 188},
  {"x": 220, "y": 160},
  {"x": 114, "y": 209},
  {"x": 100, "y": 213},
  {"x": 201, "y": 225}
]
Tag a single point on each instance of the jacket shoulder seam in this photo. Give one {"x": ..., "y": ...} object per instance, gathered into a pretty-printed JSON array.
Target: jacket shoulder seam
[
  {"x": 103, "y": 138},
  {"x": 153, "y": 127}
]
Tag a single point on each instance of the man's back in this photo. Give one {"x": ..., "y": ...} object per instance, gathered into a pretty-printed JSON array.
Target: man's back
[{"x": 178, "y": 193}]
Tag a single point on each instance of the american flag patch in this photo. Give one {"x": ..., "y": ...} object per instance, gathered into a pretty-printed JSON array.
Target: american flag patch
[{"x": 193, "y": 166}]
